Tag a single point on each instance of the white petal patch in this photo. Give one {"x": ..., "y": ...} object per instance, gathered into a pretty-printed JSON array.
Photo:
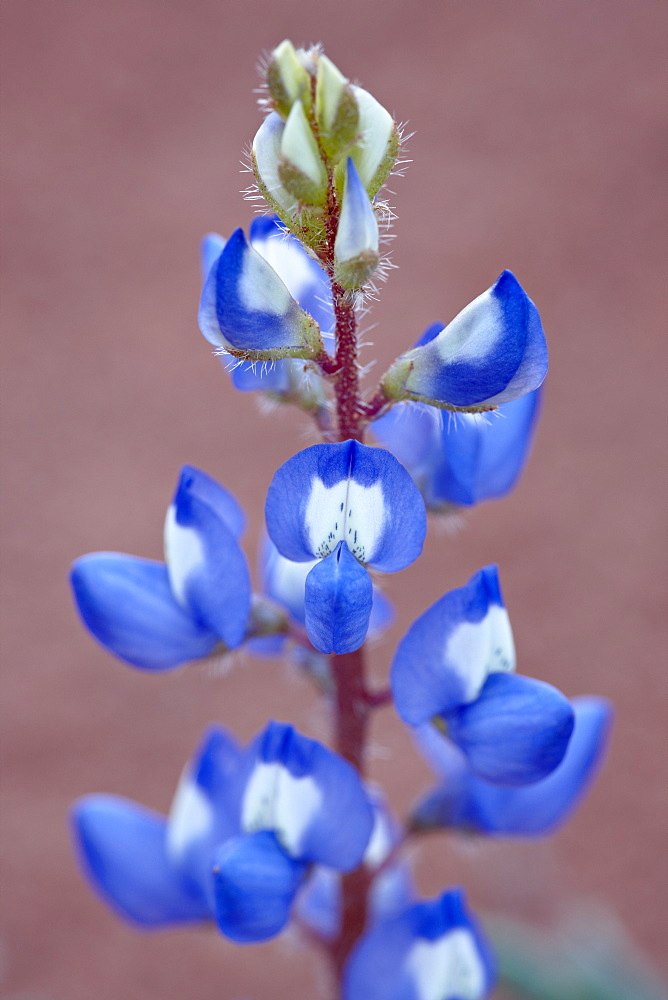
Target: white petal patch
[
  {"x": 346, "y": 512},
  {"x": 184, "y": 553},
  {"x": 448, "y": 967},
  {"x": 473, "y": 333},
  {"x": 190, "y": 817},
  {"x": 288, "y": 579},
  {"x": 275, "y": 800},
  {"x": 259, "y": 291},
  {"x": 289, "y": 261},
  {"x": 476, "y": 649}
]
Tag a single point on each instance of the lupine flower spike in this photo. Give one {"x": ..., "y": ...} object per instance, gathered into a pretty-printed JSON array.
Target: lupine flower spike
[
  {"x": 286, "y": 832},
  {"x": 158, "y": 615}
]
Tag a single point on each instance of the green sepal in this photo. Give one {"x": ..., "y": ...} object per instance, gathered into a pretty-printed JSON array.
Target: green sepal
[{"x": 355, "y": 272}]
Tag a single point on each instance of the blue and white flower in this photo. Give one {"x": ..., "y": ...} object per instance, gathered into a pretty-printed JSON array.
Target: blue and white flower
[
  {"x": 454, "y": 667},
  {"x": 308, "y": 285},
  {"x": 492, "y": 352},
  {"x": 349, "y": 506},
  {"x": 448, "y": 653},
  {"x": 247, "y": 310},
  {"x": 158, "y": 615},
  {"x": 300, "y": 804},
  {"x": 465, "y": 801},
  {"x": 433, "y": 951},
  {"x": 244, "y": 829}
]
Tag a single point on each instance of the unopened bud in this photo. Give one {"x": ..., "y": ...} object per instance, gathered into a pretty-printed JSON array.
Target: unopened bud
[
  {"x": 336, "y": 110},
  {"x": 356, "y": 246},
  {"x": 300, "y": 166},
  {"x": 376, "y": 151},
  {"x": 287, "y": 79}
]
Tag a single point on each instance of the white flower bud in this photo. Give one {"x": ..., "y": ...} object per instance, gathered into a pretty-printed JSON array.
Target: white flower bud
[
  {"x": 336, "y": 109},
  {"x": 356, "y": 246},
  {"x": 287, "y": 79},
  {"x": 300, "y": 168}
]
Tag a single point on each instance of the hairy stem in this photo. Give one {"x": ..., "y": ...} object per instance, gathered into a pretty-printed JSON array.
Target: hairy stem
[
  {"x": 352, "y": 704},
  {"x": 348, "y": 408}
]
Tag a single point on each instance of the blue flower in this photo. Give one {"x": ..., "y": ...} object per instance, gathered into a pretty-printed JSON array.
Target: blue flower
[
  {"x": 348, "y": 506},
  {"x": 263, "y": 300},
  {"x": 492, "y": 352},
  {"x": 466, "y": 801},
  {"x": 454, "y": 666},
  {"x": 465, "y": 459},
  {"x": 244, "y": 829},
  {"x": 300, "y": 804},
  {"x": 159, "y": 615},
  {"x": 433, "y": 951}
]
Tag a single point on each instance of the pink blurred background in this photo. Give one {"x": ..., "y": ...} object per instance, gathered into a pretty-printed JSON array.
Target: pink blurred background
[{"x": 537, "y": 148}]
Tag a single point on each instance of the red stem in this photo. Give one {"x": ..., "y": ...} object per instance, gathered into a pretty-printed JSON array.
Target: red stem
[
  {"x": 348, "y": 409},
  {"x": 351, "y": 715}
]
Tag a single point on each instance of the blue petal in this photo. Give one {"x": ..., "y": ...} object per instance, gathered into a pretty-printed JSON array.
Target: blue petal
[
  {"x": 122, "y": 849},
  {"x": 532, "y": 810},
  {"x": 515, "y": 732},
  {"x": 246, "y": 306},
  {"x": 337, "y": 602},
  {"x": 492, "y": 352},
  {"x": 128, "y": 605},
  {"x": 304, "y": 278},
  {"x": 309, "y": 796},
  {"x": 255, "y": 882},
  {"x": 207, "y": 569},
  {"x": 210, "y": 249},
  {"x": 429, "y": 334},
  {"x": 463, "y": 460},
  {"x": 346, "y": 492},
  {"x": 481, "y": 458},
  {"x": 448, "y": 652},
  {"x": 433, "y": 951},
  {"x": 284, "y": 581},
  {"x": 382, "y": 613},
  {"x": 254, "y": 376},
  {"x": 319, "y": 903},
  {"x": 206, "y": 489},
  {"x": 413, "y": 433}
]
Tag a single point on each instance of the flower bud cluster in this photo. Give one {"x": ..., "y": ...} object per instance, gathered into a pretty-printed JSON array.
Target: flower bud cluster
[{"x": 324, "y": 150}]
